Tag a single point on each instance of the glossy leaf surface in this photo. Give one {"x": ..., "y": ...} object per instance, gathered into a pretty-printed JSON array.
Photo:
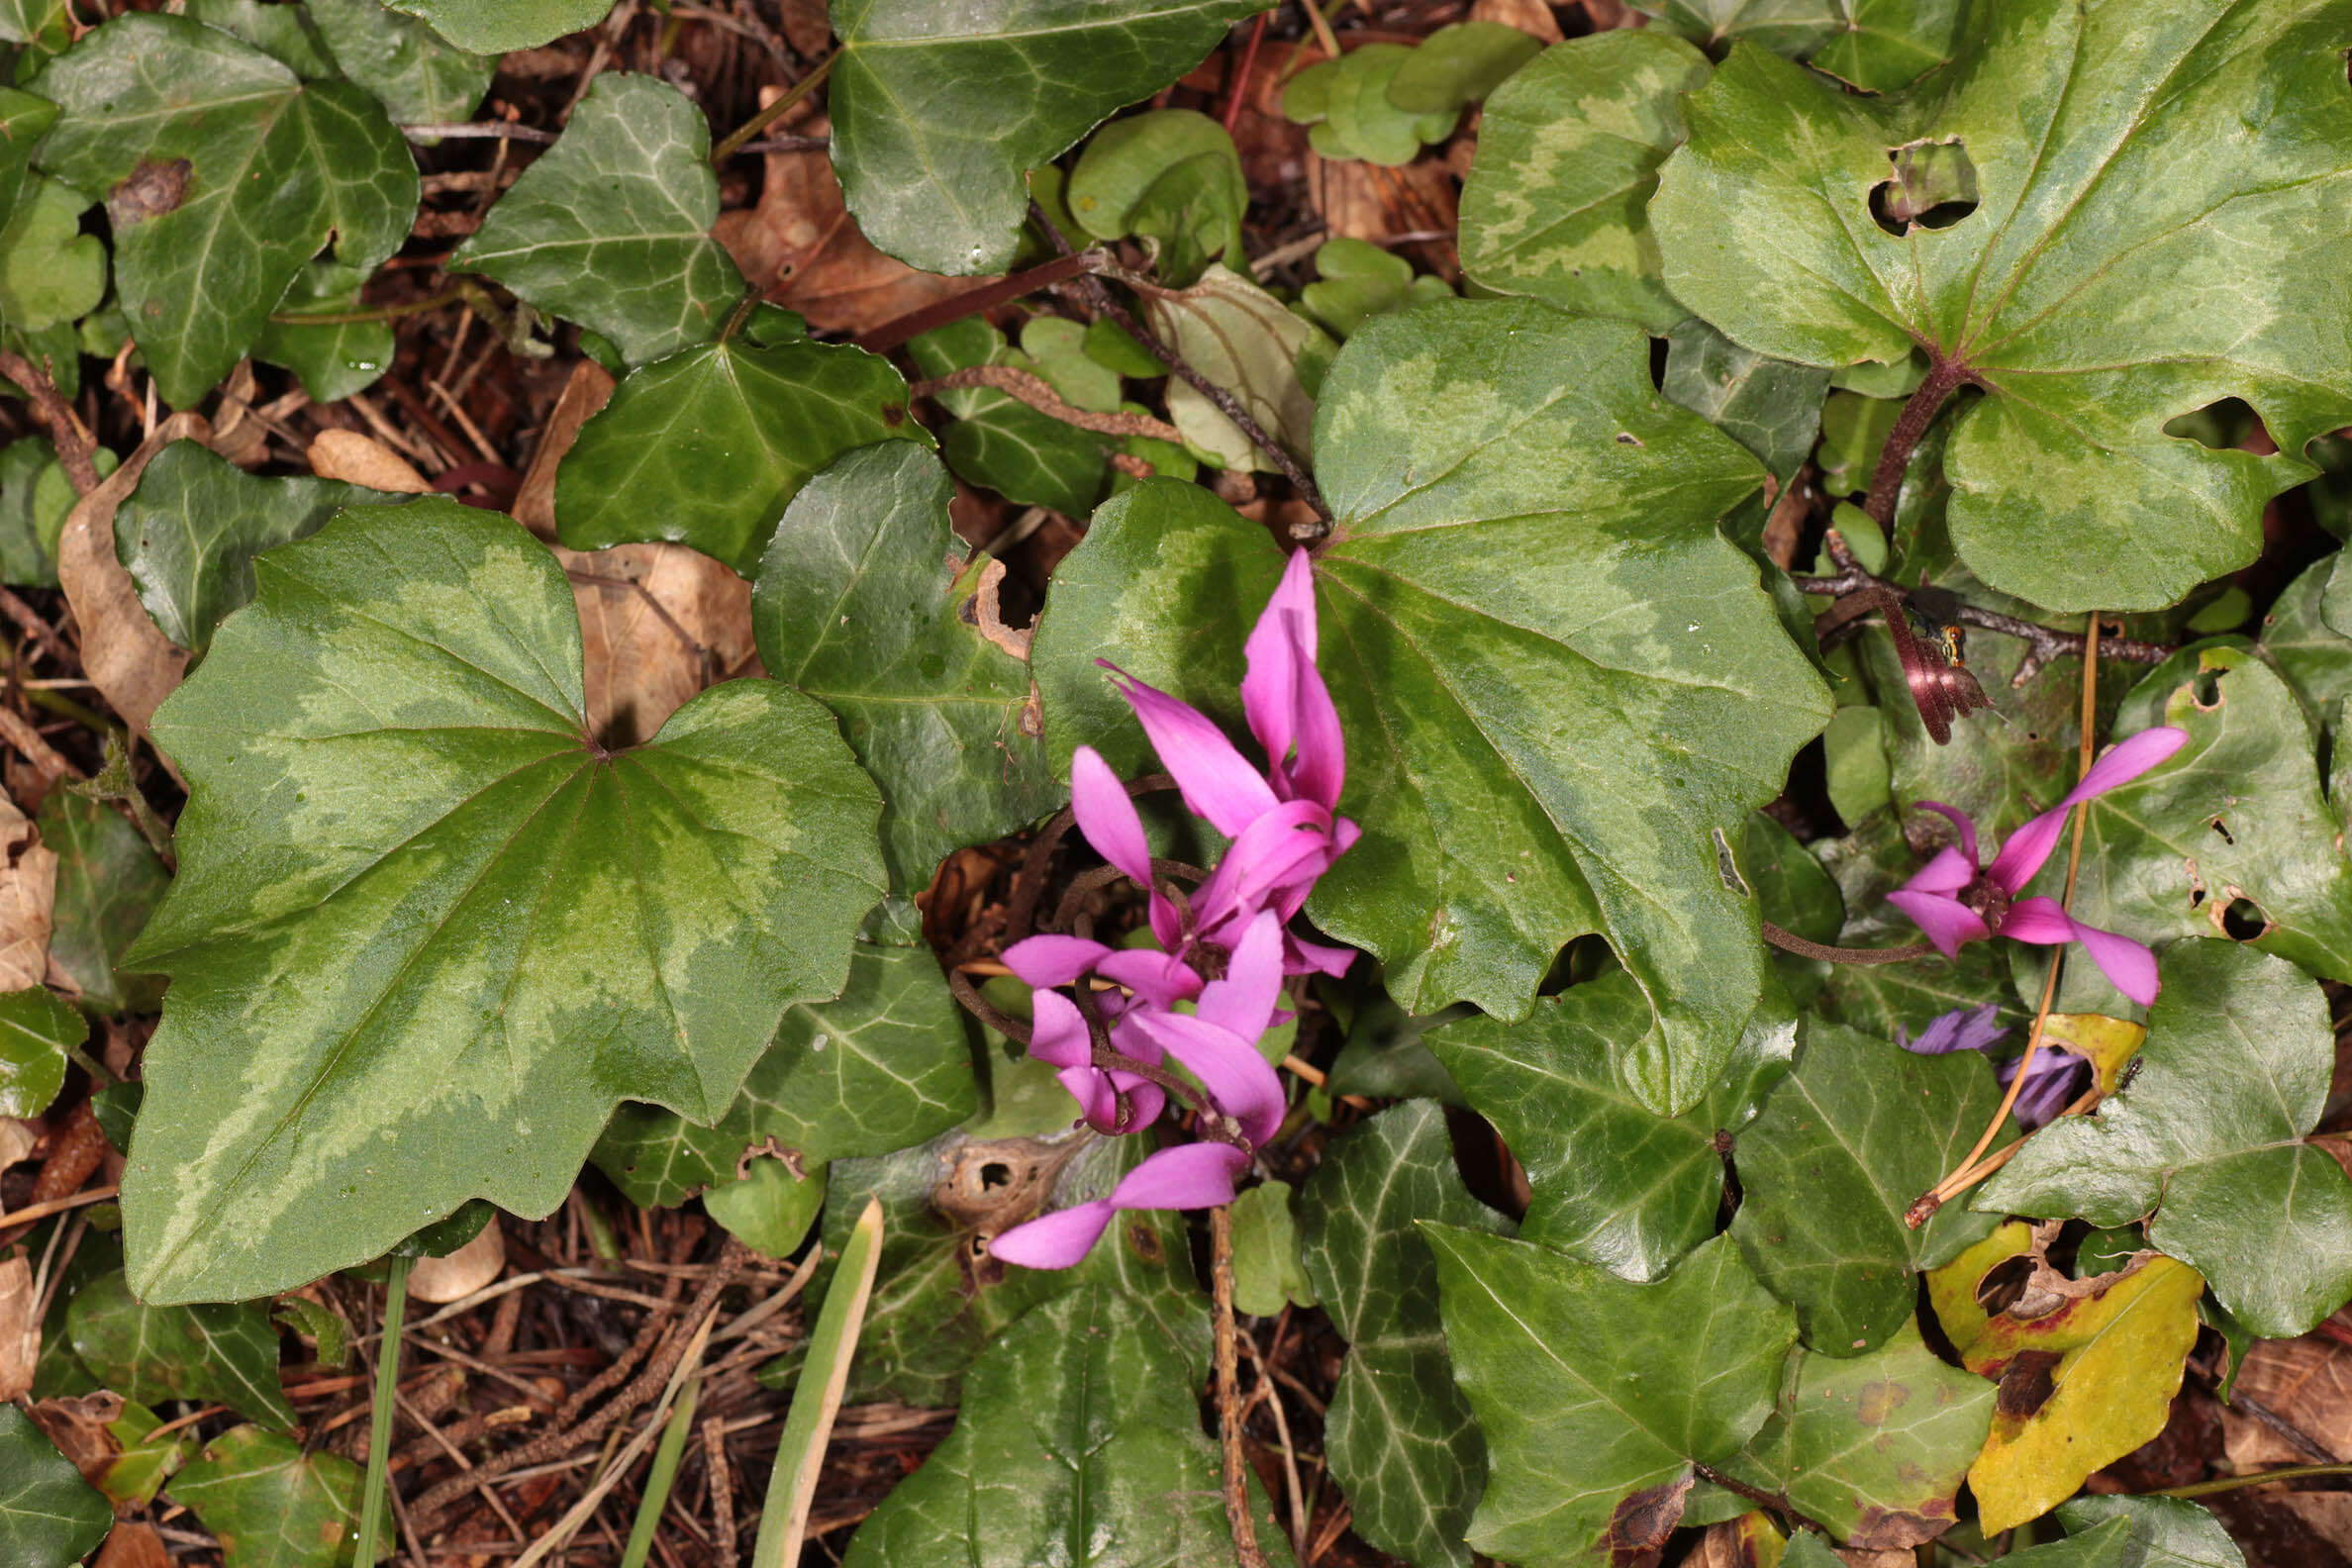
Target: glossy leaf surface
[
  {"x": 49, "y": 1516},
  {"x": 492, "y": 27},
  {"x": 214, "y": 1353},
  {"x": 35, "y": 1031}
]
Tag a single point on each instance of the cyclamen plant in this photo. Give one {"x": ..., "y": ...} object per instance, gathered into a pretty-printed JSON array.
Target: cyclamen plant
[{"x": 1225, "y": 950}]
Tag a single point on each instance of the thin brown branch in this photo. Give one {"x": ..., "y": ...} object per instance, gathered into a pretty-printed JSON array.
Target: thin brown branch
[
  {"x": 75, "y": 444},
  {"x": 2045, "y": 644},
  {"x": 1803, "y": 947},
  {"x": 988, "y": 296},
  {"x": 1229, "y": 1393},
  {"x": 29, "y": 619},
  {"x": 1033, "y": 390}
]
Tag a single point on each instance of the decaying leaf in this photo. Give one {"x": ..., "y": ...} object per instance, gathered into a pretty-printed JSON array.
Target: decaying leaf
[
  {"x": 462, "y": 1272},
  {"x": 28, "y": 898},
  {"x": 2307, "y": 1383},
  {"x": 134, "y": 665},
  {"x": 363, "y": 461},
  {"x": 20, "y": 1328},
  {"x": 584, "y": 395}
]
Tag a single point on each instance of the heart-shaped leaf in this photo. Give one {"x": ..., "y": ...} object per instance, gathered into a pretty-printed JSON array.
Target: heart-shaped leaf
[
  {"x": 35, "y": 1031},
  {"x": 213, "y": 1352},
  {"x": 2005, "y": 215},
  {"x": 49, "y": 1516},
  {"x": 477, "y": 929},
  {"x": 224, "y": 173},
  {"x": 612, "y": 227},
  {"x": 931, "y": 135},
  {"x": 272, "y": 1502}
]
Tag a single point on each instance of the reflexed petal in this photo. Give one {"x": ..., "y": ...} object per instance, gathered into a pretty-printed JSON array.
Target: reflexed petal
[
  {"x": 1059, "y": 1035},
  {"x": 1967, "y": 825},
  {"x": 1107, "y": 815},
  {"x": 2128, "y": 761},
  {"x": 1945, "y": 922},
  {"x": 1156, "y": 977},
  {"x": 1054, "y": 960},
  {"x": 1285, "y": 631},
  {"x": 1057, "y": 1241},
  {"x": 2024, "y": 850},
  {"x": 1188, "y": 1176},
  {"x": 1948, "y": 872},
  {"x": 1145, "y": 1100},
  {"x": 1300, "y": 956},
  {"x": 1963, "y": 1028},
  {"x": 2128, "y": 965},
  {"x": 1283, "y": 848},
  {"x": 2039, "y": 920},
  {"x": 1097, "y": 1106},
  {"x": 1215, "y": 781},
  {"x": 1244, "y": 1000},
  {"x": 1229, "y": 1067}
]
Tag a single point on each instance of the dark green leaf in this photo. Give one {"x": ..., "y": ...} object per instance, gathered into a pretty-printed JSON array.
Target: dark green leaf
[
  {"x": 612, "y": 227},
  {"x": 49, "y": 1516},
  {"x": 1884, "y": 44},
  {"x": 1400, "y": 1436},
  {"x": 492, "y": 27},
  {"x": 1769, "y": 405},
  {"x": 2315, "y": 658},
  {"x": 2208, "y": 1134},
  {"x": 936, "y": 111},
  {"x": 283, "y": 32},
  {"x": 214, "y": 1352},
  {"x": 35, "y": 1031},
  {"x": 333, "y": 359},
  {"x": 109, "y": 881},
  {"x": 478, "y": 929},
  {"x": 1387, "y": 1054},
  {"x": 770, "y": 1208},
  {"x": 271, "y": 1503},
  {"x": 1614, "y": 1183},
  {"x": 1029, "y": 457},
  {"x": 224, "y": 173},
  {"x": 418, "y": 78},
  {"x": 2135, "y": 1532},
  {"x": 1598, "y": 1395},
  {"x": 862, "y": 603}
]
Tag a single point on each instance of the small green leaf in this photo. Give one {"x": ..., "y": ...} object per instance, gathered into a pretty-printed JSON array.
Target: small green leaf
[
  {"x": 612, "y": 227},
  {"x": 1613, "y": 1183},
  {"x": 326, "y": 1328},
  {"x": 50, "y": 270},
  {"x": 333, "y": 359},
  {"x": 1267, "y": 1273},
  {"x": 1769, "y": 405},
  {"x": 478, "y": 929},
  {"x": 1846, "y": 1142},
  {"x": 1568, "y": 154},
  {"x": 862, "y": 603},
  {"x": 724, "y": 435},
  {"x": 35, "y": 1031},
  {"x": 936, "y": 111},
  {"x": 418, "y": 77},
  {"x": 770, "y": 1208},
  {"x": 109, "y": 881},
  {"x": 224, "y": 173},
  {"x": 271, "y": 1503},
  {"x": 1028, "y": 457},
  {"x": 1877, "y": 44},
  {"x": 1359, "y": 121},
  {"x": 1459, "y": 66},
  {"x": 1787, "y": 27},
  {"x": 146, "y": 1460},
  {"x": 1401, "y": 1438},
  {"x": 2135, "y": 1532},
  {"x": 189, "y": 533},
  {"x": 1170, "y": 176},
  {"x": 1597, "y": 1395},
  {"x": 49, "y": 1516},
  {"x": 2208, "y": 1134},
  {"x": 1243, "y": 339},
  {"x": 214, "y": 1353}
]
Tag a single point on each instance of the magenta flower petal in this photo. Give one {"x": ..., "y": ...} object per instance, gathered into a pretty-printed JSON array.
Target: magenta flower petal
[
  {"x": 1229, "y": 1067},
  {"x": 2025, "y": 852},
  {"x": 1288, "y": 844},
  {"x": 1285, "y": 698},
  {"x": 1215, "y": 781},
  {"x": 1107, "y": 815},
  {"x": 2128, "y": 761},
  {"x": 1244, "y": 1000},
  {"x": 1097, "y": 1104},
  {"x": 1158, "y": 978},
  {"x": 1054, "y": 960},
  {"x": 1962, "y": 820},
  {"x": 2039, "y": 920},
  {"x": 1300, "y": 956},
  {"x": 1145, "y": 1100},
  {"x": 2128, "y": 965},
  {"x": 1055, "y": 1240},
  {"x": 1945, "y": 921},
  {"x": 1948, "y": 872},
  {"x": 1059, "y": 1035},
  {"x": 1188, "y": 1176}
]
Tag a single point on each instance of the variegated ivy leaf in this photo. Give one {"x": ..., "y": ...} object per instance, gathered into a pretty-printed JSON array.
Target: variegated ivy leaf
[
  {"x": 1877, "y": 44},
  {"x": 427, "y": 932},
  {"x": 224, "y": 173},
  {"x": 2005, "y": 215},
  {"x": 939, "y": 109},
  {"x": 1568, "y": 745}
]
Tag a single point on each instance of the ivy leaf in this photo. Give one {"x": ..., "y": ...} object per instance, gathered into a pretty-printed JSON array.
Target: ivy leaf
[
  {"x": 1524, "y": 751},
  {"x": 418, "y": 77},
  {"x": 271, "y": 1503},
  {"x": 49, "y": 1516},
  {"x": 2235, "y": 818},
  {"x": 283, "y": 32},
  {"x": 883, "y": 1066},
  {"x": 109, "y": 881},
  {"x": 35, "y": 1031},
  {"x": 224, "y": 173},
  {"x": 2080, "y": 1386},
  {"x": 189, "y": 533},
  {"x": 1078, "y": 1440},
  {"x": 213, "y": 1353},
  {"x": 612, "y": 227},
  {"x": 333, "y": 359},
  {"x": 1856, "y": 1131},
  {"x": 863, "y": 604},
  {"x": 50, "y": 270},
  {"x": 1400, "y": 1436},
  {"x": 1568, "y": 154},
  {"x": 1029, "y": 457},
  {"x": 1872, "y": 1447},
  {"x": 478, "y": 929},
  {"x": 493, "y": 26},
  {"x": 1596, "y": 1394},
  {"x": 2068, "y": 144},
  {"x": 2312, "y": 656},
  {"x": 2135, "y": 1532},
  {"x": 1614, "y": 1183},
  {"x": 2208, "y": 1134},
  {"x": 723, "y": 433},
  {"x": 1769, "y": 405},
  {"x": 937, "y": 111}
]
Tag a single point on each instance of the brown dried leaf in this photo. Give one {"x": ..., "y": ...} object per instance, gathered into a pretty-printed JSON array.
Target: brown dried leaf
[
  {"x": 589, "y": 390},
  {"x": 78, "y": 1427},
  {"x": 801, "y": 245},
  {"x": 2306, "y": 1384},
  {"x": 363, "y": 461},
  {"x": 28, "y": 899},
  {"x": 1748, "y": 1541},
  {"x": 807, "y": 27},
  {"x": 1531, "y": 17},
  {"x": 441, "y": 1280},
  {"x": 133, "y": 1545},
  {"x": 134, "y": 665},
  {"x": 18, "y": 1139},
  {"x": 1366, "y": 201},
  {"x": 659, "y": 623},
  {"x": 20, "y": 1329}
]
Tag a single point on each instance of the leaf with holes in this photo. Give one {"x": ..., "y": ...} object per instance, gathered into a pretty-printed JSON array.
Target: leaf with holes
[
  {"x": 1564, "y": 749},
  {"x": 612, "y": 227},
  {"x": 478, "y": 929},
  {"x": 224, "y": 173},
  {"x": 1613, "y": 1183},
  {"x": 1401, "y": 1438},
  {"x": 49, "y": 1516},
  {"x": 213, "y": 1353},
  {"x": 881, "y": 1067},
  {"x": 2209, "y": 1136},
  {"x": 1598, "y": 1396},
  {"x": 2005, "y": 215},
  {"x": 867, "y": 603},
  {"x": 724, "y": 435},
  {"x": 938, "y": 111},
  {"x": 272, "y": 1502}
]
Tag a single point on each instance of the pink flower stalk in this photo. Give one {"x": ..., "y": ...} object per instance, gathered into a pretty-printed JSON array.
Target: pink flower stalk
[
  {"x": 2058, "y": 1078},
  {"x": 1953, "y": 902},
  {"x": 1226, "y": 952}
]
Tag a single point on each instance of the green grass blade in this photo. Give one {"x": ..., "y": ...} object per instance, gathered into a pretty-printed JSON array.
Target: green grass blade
[
  {"x": 801, "y": 1452},
  {"x": 380, "y": 1420},
  {"x": 661, "y": 1477}
]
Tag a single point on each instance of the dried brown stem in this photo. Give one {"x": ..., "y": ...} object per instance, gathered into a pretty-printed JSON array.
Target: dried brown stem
[
  {"x": 1229, "y": 1392},
  {"x": 1028, "y": 883},
  {"x": 893, "y": 334},
  {"x": 1033, "y": 389},
  {"x": 1789, "y": 941},
  {"x": 75, "y": 445},
  {"x": 2045, "y": 644}
]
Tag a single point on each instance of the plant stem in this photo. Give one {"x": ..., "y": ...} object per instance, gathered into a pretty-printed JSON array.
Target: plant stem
[
  {"x": 2232, "y": 1483},
  {"x": 488, "y": 130},
  {"x": 1789, "y": 941},
  {"x": 774, "y": 111},
  {"x": 1229, "y": 1392},
  {"x": 2046, "y": 643},
  {"x": 75, "y": 444},
  {"x": 1944, "y": 377},
  {"x": 379, "y": 1416},
  {"x": 1015, "y": 382},
  {"x": 662, "y": 1475},
  {"x": 380, "y": 313},
  {"x": 894, "y": 334}
]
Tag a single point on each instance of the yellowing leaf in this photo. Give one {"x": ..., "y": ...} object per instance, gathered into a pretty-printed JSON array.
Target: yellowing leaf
[{"x": 2106, "y": 1043}]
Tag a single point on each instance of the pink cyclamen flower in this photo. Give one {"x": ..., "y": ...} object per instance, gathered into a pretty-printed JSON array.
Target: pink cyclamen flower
[
  {"x": 1188, "y": 1176},
  {"x": 2058, "y": 1078},
  {"x": 1953, "y": 902}
]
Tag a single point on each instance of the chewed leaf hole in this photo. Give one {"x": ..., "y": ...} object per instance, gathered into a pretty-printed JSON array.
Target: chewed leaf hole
[
  {"x": 2222, "y": 828},
  {"x": 1933, "y": 185},
  {"x": 2242, "y": 920},
  {"x": 2003, "y": 1284},
  {"x": 2223, "y": 425}
]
